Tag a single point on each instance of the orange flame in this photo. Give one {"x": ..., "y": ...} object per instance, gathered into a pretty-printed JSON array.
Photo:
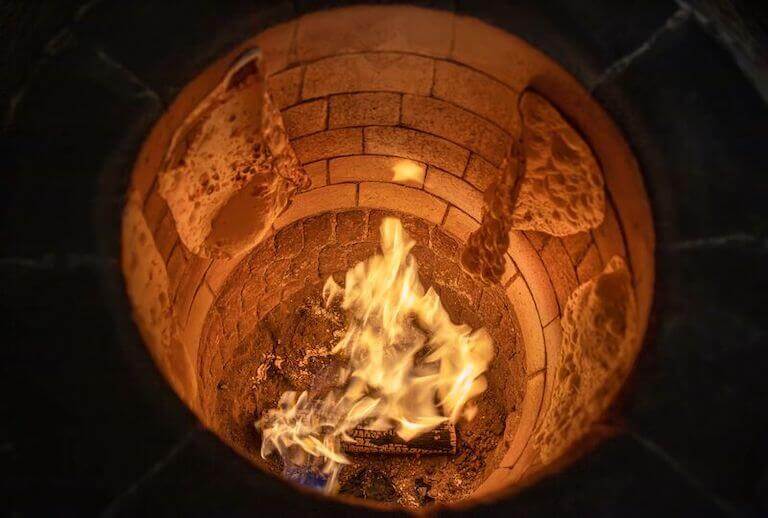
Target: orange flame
[{"x": 410, "y": 367}]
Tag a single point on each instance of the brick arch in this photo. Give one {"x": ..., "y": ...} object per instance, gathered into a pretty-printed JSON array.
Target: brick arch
[{"x": 364, "y": 88}]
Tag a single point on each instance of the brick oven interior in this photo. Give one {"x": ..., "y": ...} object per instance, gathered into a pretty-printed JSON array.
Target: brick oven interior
[
  {"x": 199, "y": 199},
  {"x": 226, "y": 288}
]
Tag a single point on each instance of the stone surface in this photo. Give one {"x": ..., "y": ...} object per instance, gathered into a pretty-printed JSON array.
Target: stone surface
[
  {"x": 455, "y": 191},
  {"x": 481, "y": 173},
  {"x": 455, "y": 124},
  {"x": 318, "y": 173},
  {"x": 535, "y": 273},
  {"x": 319, "y": 200},
  {"x": 305, "y": 118},
  {"x": 477, "y": 93},
  {"x": 459, "y": 223},
  {"x": 402, "y": 199},
  {"x": 418, "y": 146},
  {"x": 385, "y": 72},
  {"x": 560, "y": 270},
  {"x": 530, "y": 325},
  {"x": 373, "y": 168},
  {"x": 576, "y": 245},
  {"x": 532, "y": 401},
  {"x": 328, "y": 144},
  {"x": 285, "y": 87},
  {"x": 147, "y": 285},
  {"x": 364, "y": 109},
  {"x": 590, "y": 264},
  {"x": 562, "y": 188}
]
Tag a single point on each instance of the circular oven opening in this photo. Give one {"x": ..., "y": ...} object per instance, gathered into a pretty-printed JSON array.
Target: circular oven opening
[{"x": 521, "y": 203}]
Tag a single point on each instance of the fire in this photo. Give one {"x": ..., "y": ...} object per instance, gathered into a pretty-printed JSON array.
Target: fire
[{"x": 409, "y": 367}]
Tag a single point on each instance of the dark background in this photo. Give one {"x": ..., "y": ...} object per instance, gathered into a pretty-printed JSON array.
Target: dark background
[{"x": 89, "y": 427}]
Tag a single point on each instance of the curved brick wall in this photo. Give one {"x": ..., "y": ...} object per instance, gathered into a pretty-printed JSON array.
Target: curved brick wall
[
  {"x": 294, "y": 263},
  {"x": 362, "y": 89}
]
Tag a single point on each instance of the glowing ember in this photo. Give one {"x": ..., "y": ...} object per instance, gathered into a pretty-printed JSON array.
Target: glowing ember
[{"x": 409, "y": 368}]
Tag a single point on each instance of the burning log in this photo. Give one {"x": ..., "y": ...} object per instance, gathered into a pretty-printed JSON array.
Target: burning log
[{"x": 438, "y": 441}]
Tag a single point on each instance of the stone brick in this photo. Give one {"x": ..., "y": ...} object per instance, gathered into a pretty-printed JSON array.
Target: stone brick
[
  {"x": 576, "y": 245},
  {"x": 374, "y": 168},
  {"x": 457, "y": 125},
  {"x": 537, "y": 239},
  {"x": 380, "y": 28},
  {"x": 553, "y": 335},
  {"x": 351, "y": 226},
  {"x": 417, "y": 146},
  {"x": 477, "y": 93},
  {"x": 492, "y": 306},
  {"x": 289, "y": 240},
  {"x": 154, "y": 210},
  {"x": 318, "y": 173},
  {"x": 529, "y": 414},
  {"x": 329, "y": 144},
  {"x": 608, "y": 236},
  {"x": 467, "y": 287},
  {"x": 220, "y": 270},
  {"x": 382, "y": 72},
  {"x": 318, "y": 231},
  {"x": 481, "y": 173},
  {"x": 521, "y": 299},
  {"x": 166, "y": 236},
  {"x": 268, "y": 302},
  {"x": 527, "y": 463},
  {"x": 375, "y": 217},
  {"x": 276, "y": 273},
  {"x": 229, "y": 299},
  {"x": 536, "y": 276},
  {"x": 323, "y": 199},
  {"x": 275, "y": 44},
  {"x": 262, "y": 256},
  {"x": 444, "y": 245},
  {"x": 455, "y": 191},
  {"x": 304, "y": 268},
  {"x": 177, "y": 265},
  {"x": 590, "y": 265},
  {"x": 510, "y": 270},
  {"x": 460, "y": 224},
  {"x": 403, "y": 199},
  {"x": 426, "y": 267},
  {"x": 561, "y": 271},
  {"x": 252, "y": 291},
  {"x": 364, "y": 109},
  {"x": 285, "y": 87},
  {"x": 191, "y": 334},
  {"x": 359, "y": 252},
  {"x": 417, "y": 228},
  {"x": 332, "y": 259},
  {"x": 305, "y": 118}
]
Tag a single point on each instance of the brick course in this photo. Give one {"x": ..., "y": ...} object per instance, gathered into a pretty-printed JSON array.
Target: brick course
[
  {"x": 418, "y": 146},
  {"x": 378, "y": 72},
  {"x": 364, "y": 109}
]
